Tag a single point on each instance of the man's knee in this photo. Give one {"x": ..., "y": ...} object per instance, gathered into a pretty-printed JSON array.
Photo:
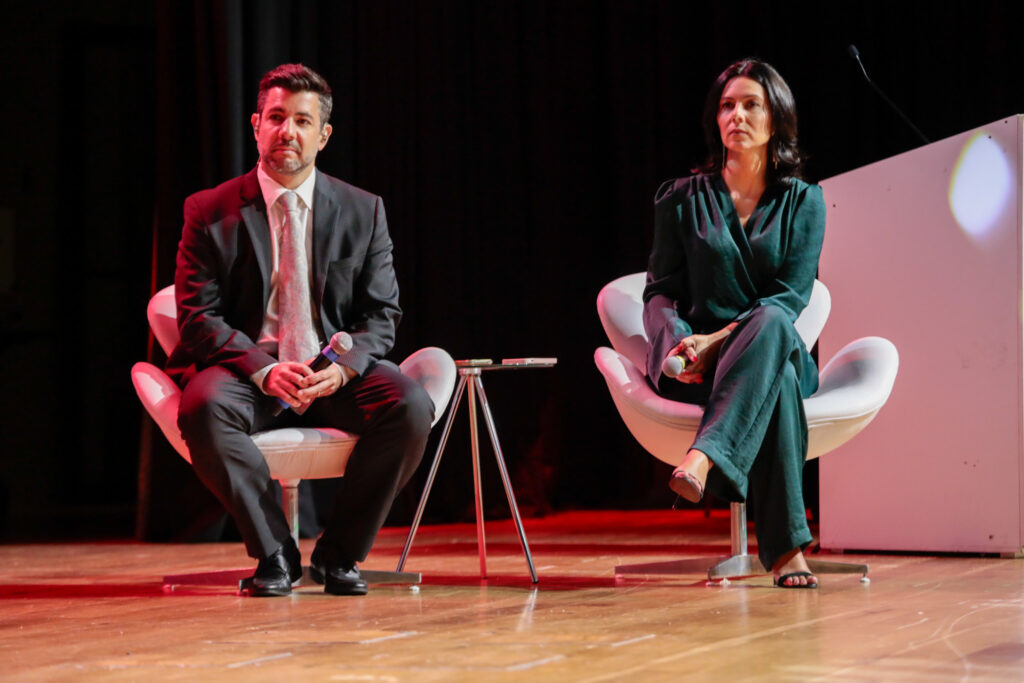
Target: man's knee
[
  {"x": 207, "y": 403},
  {"x": 396, "y": 396},
  {"x": 414, "y": 407}
]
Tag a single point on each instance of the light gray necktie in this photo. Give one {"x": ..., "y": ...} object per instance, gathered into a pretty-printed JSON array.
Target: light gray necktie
[{"x": 297, "y": 340}]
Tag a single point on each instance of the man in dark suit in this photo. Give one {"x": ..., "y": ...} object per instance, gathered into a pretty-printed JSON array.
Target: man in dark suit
[{"x": 271, "y": 265}]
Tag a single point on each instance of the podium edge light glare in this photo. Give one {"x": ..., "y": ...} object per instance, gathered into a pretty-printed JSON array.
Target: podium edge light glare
[{"x": 980, "y": 186}]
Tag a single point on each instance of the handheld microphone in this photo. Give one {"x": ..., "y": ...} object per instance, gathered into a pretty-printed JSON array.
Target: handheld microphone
[
  {"x": 340, "y": 344},
  {"x": 673, "y": 366},
  {"x": 855, "y": 53}
]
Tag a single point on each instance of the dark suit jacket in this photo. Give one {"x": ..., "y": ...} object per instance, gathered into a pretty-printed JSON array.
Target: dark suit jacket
[{"x": 222, "y": 280}]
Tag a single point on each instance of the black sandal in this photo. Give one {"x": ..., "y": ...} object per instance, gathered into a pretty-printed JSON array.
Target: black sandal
[{"x": 781, "y": 581}]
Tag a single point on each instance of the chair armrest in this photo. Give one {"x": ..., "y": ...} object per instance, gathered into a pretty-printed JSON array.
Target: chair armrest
[
  {"x": 853, "y": 387},
  {"x": 435, "y": 370},
  {"x": 160, "y": 397},
  {"x": 664, "y": 428},
  {"x": 857, "y": 380},
  {"x": 628, "y": 382}
]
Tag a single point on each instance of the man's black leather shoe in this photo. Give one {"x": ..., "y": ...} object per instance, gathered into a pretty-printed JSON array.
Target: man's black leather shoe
[
  {"x": 275, "y": 574},
  {"x": 344, "y": 581},
  {"x": 339, "y": 579}
]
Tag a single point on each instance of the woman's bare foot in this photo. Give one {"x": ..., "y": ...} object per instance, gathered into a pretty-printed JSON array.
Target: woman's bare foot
[
  {"x": 689, "y": 478},
  {"x": 791, "y": 571}
]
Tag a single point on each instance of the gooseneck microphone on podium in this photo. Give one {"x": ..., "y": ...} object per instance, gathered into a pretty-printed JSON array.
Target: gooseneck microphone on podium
[
  {"x": 855, "y": 53},
  {"x": 673, "y": 366},
  {"x": 340, "y": 344}
]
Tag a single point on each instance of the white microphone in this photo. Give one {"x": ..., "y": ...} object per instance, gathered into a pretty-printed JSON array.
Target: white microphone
[
  {"x": 673, "y": 366},
  {"x": 340, "y": 344}
]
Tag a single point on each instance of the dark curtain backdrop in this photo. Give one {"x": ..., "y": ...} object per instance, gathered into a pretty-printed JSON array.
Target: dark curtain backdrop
[{"x": 517, "y": 146}]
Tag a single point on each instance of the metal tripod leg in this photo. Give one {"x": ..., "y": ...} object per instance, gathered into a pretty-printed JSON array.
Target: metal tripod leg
[
  {"x": 433, "y": 471},
  {"x": 474, "y": 441},
  {"x": 473, "y": 397},
  {"x": 489, "y": 419}
]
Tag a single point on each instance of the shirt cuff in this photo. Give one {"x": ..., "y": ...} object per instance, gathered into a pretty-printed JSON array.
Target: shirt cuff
[
  {"x": 347, "y": 373},
  {"x": 260, "y": 375}
]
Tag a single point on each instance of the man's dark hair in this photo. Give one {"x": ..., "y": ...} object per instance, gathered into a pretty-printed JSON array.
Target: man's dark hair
[
  {"x": 785, "y": 160},
  {"x": 296, "y": 78}
]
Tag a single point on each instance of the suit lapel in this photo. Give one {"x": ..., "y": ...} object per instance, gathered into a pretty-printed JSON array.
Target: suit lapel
[
  {"x": 254, "y": 214},
  {"x": 326, "y": 215}
]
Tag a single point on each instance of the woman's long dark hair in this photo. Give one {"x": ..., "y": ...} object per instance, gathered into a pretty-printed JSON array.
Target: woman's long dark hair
[{"x": 785, "y": 160}]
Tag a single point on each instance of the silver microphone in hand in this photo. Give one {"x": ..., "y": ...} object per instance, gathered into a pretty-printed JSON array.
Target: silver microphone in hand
[
  {"x": 673, "y": 366},
  {"x": 340, "y": 344}
]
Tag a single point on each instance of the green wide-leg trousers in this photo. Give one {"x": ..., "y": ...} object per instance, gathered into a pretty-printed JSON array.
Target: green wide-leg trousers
[{"x": 754, "y": 428}]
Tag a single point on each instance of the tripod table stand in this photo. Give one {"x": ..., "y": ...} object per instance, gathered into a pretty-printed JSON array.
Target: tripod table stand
[{"x": 471, "y": 381}]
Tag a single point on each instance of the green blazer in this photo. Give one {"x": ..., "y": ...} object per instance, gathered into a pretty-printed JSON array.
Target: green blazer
[{"x": 707, "y": 270}]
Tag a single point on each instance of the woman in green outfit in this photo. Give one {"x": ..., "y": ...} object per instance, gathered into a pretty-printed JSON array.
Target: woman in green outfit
[{"x": 734, "y": 258}]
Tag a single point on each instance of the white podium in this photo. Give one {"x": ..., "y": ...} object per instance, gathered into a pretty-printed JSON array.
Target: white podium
[{"x": 925, "y": 249}]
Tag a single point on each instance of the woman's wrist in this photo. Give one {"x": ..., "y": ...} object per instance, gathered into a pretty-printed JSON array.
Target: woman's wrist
[{"x": 724, "y": 333}]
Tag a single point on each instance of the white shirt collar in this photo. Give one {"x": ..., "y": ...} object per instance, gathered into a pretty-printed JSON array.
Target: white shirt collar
[{"x": 272, "y": 190}]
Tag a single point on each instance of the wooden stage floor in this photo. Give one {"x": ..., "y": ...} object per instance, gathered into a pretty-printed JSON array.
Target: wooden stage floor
[{"x": 88, "y": 611}]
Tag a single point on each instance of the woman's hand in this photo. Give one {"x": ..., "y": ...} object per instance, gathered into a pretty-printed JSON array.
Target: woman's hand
[{"x": 701, "y": 354}]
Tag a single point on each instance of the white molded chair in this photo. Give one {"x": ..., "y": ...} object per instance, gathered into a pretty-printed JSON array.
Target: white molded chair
[
  {"x": 854, "y": 386},
  {"x": 292, "y": 453}
]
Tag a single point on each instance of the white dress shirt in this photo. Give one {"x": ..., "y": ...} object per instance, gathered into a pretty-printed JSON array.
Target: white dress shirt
[{"x": 276, "y": 218}]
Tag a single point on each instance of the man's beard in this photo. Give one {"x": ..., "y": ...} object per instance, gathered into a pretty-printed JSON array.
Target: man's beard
[{"x": 287, "y": 165}]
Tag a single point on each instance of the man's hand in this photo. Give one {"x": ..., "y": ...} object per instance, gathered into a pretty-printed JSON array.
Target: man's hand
[
  {"x": 298, "y": 386},
  {"x": 325, "y": 382},
  {"x": 285, "y": 381}
]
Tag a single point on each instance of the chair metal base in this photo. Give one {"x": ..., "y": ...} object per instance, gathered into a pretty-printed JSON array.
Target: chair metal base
[
  {"x": 733, "y": 567},
  {"x": 222, "y": 577},
  {"x": 739, "y": 564},
  {"x": 379, "y": 576},
  {"x": 717, "y": 568},
  {"x": 228, "y": 577},
  {"x": 290, "y": 505},
  {"x": 826, "y": 567}
]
